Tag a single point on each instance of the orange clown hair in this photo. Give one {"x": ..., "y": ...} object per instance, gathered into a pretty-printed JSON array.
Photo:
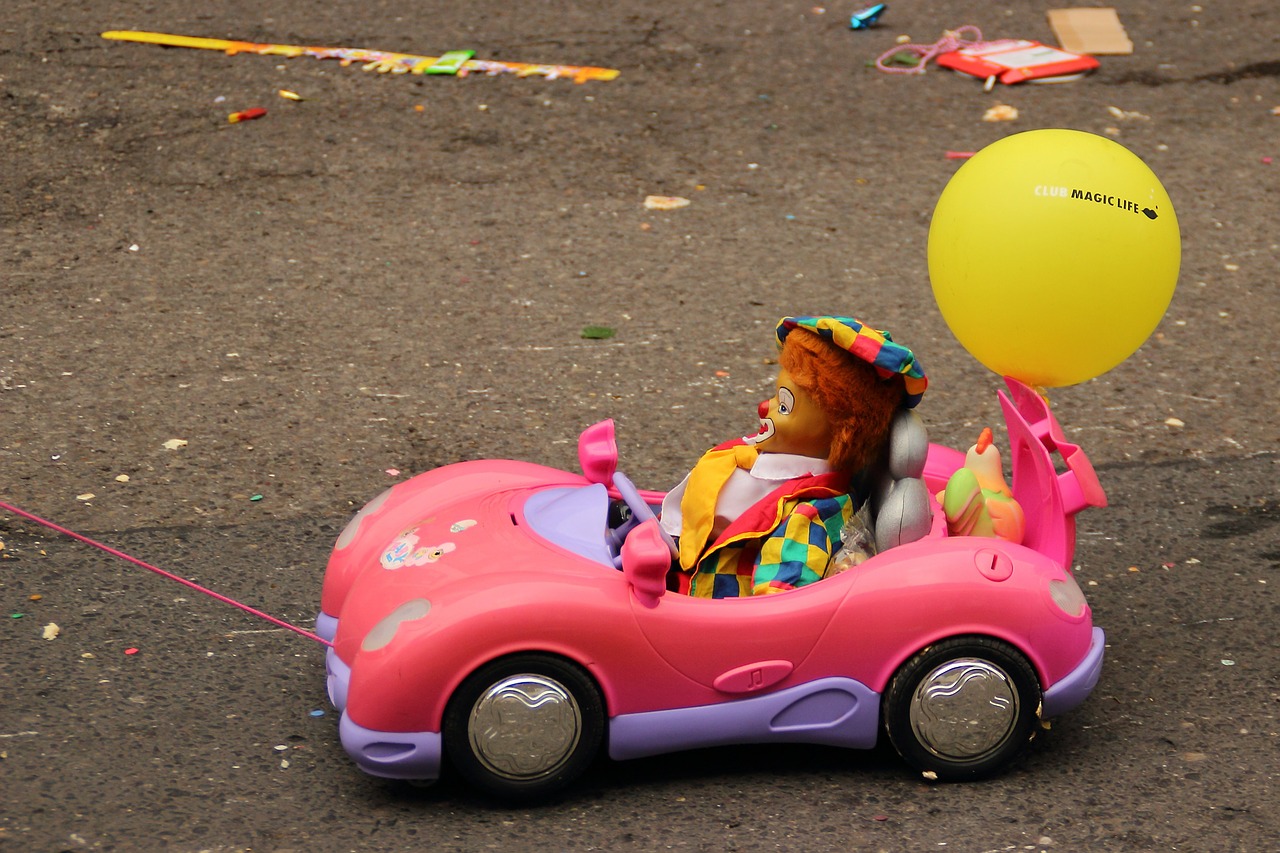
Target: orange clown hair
[{"x": 857, "y": 402}]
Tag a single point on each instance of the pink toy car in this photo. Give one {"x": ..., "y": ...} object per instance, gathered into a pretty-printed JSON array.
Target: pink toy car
[{"x": 507, "y": 618}]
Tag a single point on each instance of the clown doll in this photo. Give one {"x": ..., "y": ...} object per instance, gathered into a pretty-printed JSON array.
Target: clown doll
[{"x": 764, "y": 513}]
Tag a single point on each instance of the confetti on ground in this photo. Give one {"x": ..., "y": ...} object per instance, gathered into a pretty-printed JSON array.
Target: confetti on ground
[
  {"x": 86, "y": 496},
  {"x": 51, "y": 631},
  {"x": 900, "y": 59},
  {"x": 130, "y": 651},
  {"x": 175, "y": 443},
  {"x": 665, "y": 202},
  {"x": 292, "y": 96},
  {"x": 1125, "y": 115},
  {"x": 122, "y": 478},
  {"x": 597, "y": 333},
  {"x": 1000, "y": 112},
  {"x": 246, "y": 115},
  {"x": 255, "y": 497},
  {"x": 394, "y": 472}
]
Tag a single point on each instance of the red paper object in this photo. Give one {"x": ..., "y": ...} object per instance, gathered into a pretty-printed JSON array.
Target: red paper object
[{"x": 1015, "y": 60}]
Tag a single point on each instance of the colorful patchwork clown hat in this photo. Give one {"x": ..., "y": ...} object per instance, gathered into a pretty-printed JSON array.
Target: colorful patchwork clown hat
[{"x": 876, "y": 347}]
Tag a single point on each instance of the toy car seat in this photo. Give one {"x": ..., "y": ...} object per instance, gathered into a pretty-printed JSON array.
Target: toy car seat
[{"x": 900, "y": 503}]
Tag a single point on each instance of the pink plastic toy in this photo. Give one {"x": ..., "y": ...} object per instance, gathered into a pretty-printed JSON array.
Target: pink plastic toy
[{"x": 513, "y": 619}]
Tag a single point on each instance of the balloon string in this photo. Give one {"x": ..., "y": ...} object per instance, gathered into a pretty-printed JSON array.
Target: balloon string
[
  {"x": 951, "y": 40},
  {"x": 191, "y": 584}
]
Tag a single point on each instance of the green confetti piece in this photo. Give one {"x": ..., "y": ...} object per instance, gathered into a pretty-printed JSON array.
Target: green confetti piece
[
  {"x": 451, "y": 62},
  {"x": 902, "y": 59},
  {"x": 256, "y": 498},
  {"x": 597, "y": 333}
]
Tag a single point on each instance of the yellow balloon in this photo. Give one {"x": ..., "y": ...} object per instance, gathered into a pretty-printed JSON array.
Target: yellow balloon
[{"x": 1053, "y": 255}]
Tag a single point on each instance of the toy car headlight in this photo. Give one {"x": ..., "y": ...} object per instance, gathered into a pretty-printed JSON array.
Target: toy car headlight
[
  {"x": 1066, "y": 593},
  {"x": 384, "y": 632}
]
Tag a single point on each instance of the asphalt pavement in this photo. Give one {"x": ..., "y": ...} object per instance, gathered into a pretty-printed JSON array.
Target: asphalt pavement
[{"x": 217, "y": 340}]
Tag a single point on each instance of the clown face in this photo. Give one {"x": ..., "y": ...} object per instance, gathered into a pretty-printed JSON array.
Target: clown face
[{"x": 791, "y": 422}]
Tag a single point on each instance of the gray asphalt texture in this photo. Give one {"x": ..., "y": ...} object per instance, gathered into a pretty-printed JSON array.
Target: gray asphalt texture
[{"x": 351, "y": 286}]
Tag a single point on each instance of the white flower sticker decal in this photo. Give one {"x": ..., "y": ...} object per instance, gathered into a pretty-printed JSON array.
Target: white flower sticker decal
[{"x": 404, "y": 551}]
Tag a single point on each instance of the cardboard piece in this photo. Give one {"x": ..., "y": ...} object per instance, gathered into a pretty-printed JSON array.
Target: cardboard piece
[{"x": 1093, "y": 31}]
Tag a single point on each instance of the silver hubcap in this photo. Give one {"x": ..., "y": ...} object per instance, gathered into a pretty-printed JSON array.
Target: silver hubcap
[
  {"x": 525, "y": 726},
  {"x": 964, "y": 709}
]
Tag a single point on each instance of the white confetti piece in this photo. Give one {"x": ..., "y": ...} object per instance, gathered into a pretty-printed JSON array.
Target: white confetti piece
[{"x": 665, "y": 202}]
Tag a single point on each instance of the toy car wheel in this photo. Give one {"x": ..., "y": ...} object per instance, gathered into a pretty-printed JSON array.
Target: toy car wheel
[
  {"x": 524, "y": 726},
  {"x": 963, "y": 708}
]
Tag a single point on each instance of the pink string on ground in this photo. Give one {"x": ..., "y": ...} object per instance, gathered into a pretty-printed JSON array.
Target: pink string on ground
[
  {"x": 960, "y": 37},
  {"x": 197, "y": 587}
]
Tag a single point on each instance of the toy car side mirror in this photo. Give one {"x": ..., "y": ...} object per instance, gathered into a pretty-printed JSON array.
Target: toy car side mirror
[
  {"x": 598, "y": 452},
  {"x": 646, "y": 559}
]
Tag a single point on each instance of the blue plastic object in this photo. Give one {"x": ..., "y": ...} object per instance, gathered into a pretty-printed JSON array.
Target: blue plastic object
[{"x": 867, "y": 18}]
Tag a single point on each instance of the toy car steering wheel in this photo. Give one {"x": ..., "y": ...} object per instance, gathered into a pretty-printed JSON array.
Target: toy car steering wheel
[{"x": 640, "y": 513}]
